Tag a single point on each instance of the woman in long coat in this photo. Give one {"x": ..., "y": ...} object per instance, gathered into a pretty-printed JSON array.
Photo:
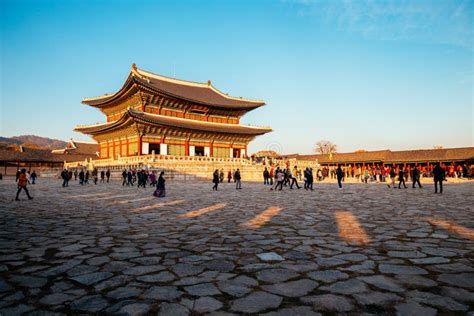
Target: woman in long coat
[
  {"x": 215, "y": 179},
  {"x": 160, "y": 186}
]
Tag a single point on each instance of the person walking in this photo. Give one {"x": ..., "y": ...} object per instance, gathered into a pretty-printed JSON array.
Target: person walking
[
  {"x": 65, "y": 177},
  {"x": 401, "y": 178},
  {"x": 33, "y": 177},
  {"x": 293, "y": 176},
  {"x": 124, "y": 177},
  {"x": 221, "y": 176},
  {"x": 340, "y": 176},
  {"x": 238, "y": 183},
  {"x": 416, "y": 177},
  {"x": 229, "y": 176},
  {"x": 75, "y": 175},
  {"x": 22, "y": 183},
  {"x": 107, "y": 174},
  {"x": 102, "y": 176},
  {"x": 439, "y": 176},
  {"x": 392, "y": 178},
  {"x": 271, "y": 175},
  {"x": 215, "y": 179},
  {"x": 86, "y": 180},
  {"x": 160, "y": 186},
  {"x": 95, "y": 175}
]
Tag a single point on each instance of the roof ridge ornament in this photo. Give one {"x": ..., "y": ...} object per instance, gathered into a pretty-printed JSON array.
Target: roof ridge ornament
[{"x": 209, "y": 83}]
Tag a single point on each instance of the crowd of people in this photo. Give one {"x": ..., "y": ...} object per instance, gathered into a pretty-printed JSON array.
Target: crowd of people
[{"x": 273, "y": 176}]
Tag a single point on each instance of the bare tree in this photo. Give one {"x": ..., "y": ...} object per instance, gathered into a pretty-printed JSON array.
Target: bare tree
[
  {"x": 325, "y": 147},
  {"x": 438, "y": 147}
]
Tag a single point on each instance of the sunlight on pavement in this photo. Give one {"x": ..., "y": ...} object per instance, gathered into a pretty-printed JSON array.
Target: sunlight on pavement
[
  {"x": 134, "y": 200},
  {"x": 158, "y": 205},
  {"x": 203, "y": 211},
  {"x": 350, "y": 229},
  {"x": 262, "y": 218},
  {"x": 453, "y": 228},
  {"x": 89, "y": 195}
]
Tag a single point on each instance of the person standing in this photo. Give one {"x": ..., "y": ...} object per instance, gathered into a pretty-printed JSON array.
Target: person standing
[
  {"x": 22, "y": 183},
  {"x": 221, "y": 176},
  {"x": 33, "y": 177},
  {"x": 81, "y": 177},
  {"x": 107, "y": 174},
  {"x": 130, "y": 178},
  {"x": 75, "y": 175},
  {"x": 392, "y": 178},
  {"x": 215, "y": 179},
  {"x": 229, "y": 176},
  {"x": 271, "y": 175},
  {"x": 95, "y": 175},
  {"x": 160, "y": 186},
  {"x": 340, "y": 176},
  {"x": 266, "y": 175},
  {"x": 238, "y": 183},
  {"x": 416, "y": 177},
  {"x": 438, "y": 175},
  {"x": 102, "y": 176},
  {"x": 401, "y": 178},
  {"x": 86, "y": 180}
]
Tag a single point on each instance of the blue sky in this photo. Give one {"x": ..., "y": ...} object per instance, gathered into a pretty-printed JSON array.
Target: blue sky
[{"x": 362, "y": 74}]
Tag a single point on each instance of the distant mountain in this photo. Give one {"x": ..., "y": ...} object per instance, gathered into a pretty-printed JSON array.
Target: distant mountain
[{"x": 33, "y": 141}]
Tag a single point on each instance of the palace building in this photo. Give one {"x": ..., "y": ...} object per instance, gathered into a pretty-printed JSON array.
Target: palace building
[{"x": 166, "y": 116}]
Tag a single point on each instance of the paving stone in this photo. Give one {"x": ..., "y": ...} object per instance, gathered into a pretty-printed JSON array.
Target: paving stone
[
  {"x": 16, "y": 310},
  {"x": 328, "y": 276},
  {"x": 141, "y": 270},
  {"x": 206, "y": 304},
  {"x": 295, "y": 311},
  {"x": 167, "y": 309},
  {"x": 465, "y": 280},
  {"x": 445, "y": 303},
  {"x": 135, "y": 309},
  {"x": 350, "y": 286},
  {"x": 275, "y": 275},
  {"x": 353, "y": 257},
  {"x": 28, "y": 281},
  {"x": 430, "y": 260},
  {"x": 91, "y": 278},
  {"x": 4, "y": 286},
  {"x": 113, "y": 282},
  {"x": 330, "y": 262},
  {"x": 164, "y": 293},
  {"x": 400, "y": 269},
  {"x": 458, "y": 294},
  {"x": 383, "y": 282},
  {"x": 55, "y": 299},
  {"x": 256, "y": 302},
  {"x": 270, "y": 256},
  {"x": 220, "y": 265},
  {"x": 415, "y": 280},
  {"x": 406, "y": 254},
  {"x": 204, "y": 289},
  {"x": 163, "y": 277},
  {"x": 124, "y": 292},
  {"x": 54, "y": 271},
  {"x": 377, "y": 298},
  {"x": 329, "y": 302},
  {"x": 89, "y": 304},
  {"x": 233, "y": 288},
  {"x": 185, "y": 269},
  {"x": 412, "y": 308},
  {"x": 451, "y": 268},
  {"x": 292, "y": 288}
]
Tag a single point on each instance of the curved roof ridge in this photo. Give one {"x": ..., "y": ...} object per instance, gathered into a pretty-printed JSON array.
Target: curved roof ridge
[{"x": 207, "y": 85}]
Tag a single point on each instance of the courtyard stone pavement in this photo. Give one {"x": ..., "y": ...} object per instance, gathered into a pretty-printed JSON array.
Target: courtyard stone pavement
[{"x": 108, "y": 249}]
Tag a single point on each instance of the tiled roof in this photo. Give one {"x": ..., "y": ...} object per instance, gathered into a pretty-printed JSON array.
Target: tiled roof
[
  {"x": 139, "y": 116},
  {"x": 39, "y": 155},
  {"x": 201, "y": 93},
  {"x": 388, "y": 156}
]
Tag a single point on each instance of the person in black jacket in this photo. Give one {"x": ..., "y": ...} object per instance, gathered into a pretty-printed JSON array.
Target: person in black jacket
[
  {"x": 107, "y": 174},
  {"x": 238, "y": 183},
  {"x": 124, "y": 176},
  {"x": 215, "y": 179},
  {"x": 439, "y": 176},
  {"x": 266, "y": 176},
  {"x": 340, "y": 176},
  {"x": 416, "y": 177},
  {"x": 401, "y": 178}
]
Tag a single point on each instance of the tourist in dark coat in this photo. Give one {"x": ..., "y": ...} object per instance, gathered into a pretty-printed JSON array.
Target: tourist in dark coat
[
  {"x": 107, "y": 174},
  {"x": 416, "y": 177},
  {"x": 160, "y": 186},
  {"x": 65, "y": 177},
  {"x": 124, "y": 177},
  {"x": 340, "y": 176},
  {"x": 439, "y": 176},
  {"x": 238, "y": 183},
  {"x": 102, "y": 176},
  {"x": 215, "y": 179},
  {"x": 33, "y": 177},
  {"x": 401, "y": 178},
  {"x": 81, "y": 177}
]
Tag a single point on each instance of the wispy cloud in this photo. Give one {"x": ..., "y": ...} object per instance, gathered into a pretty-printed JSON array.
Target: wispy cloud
[{"x": 437, "y": 22}]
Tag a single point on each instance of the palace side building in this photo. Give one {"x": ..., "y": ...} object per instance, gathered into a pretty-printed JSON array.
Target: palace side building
[{"x": 166, "y": 116}]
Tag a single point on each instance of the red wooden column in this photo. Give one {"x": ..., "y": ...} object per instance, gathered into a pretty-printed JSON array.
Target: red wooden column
[
  {"x": 211, "y": 148},
  {"x": 186, "y": 147},
  {"x": 139, "y": 145},
  {"x": 128, "y": 151}
]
